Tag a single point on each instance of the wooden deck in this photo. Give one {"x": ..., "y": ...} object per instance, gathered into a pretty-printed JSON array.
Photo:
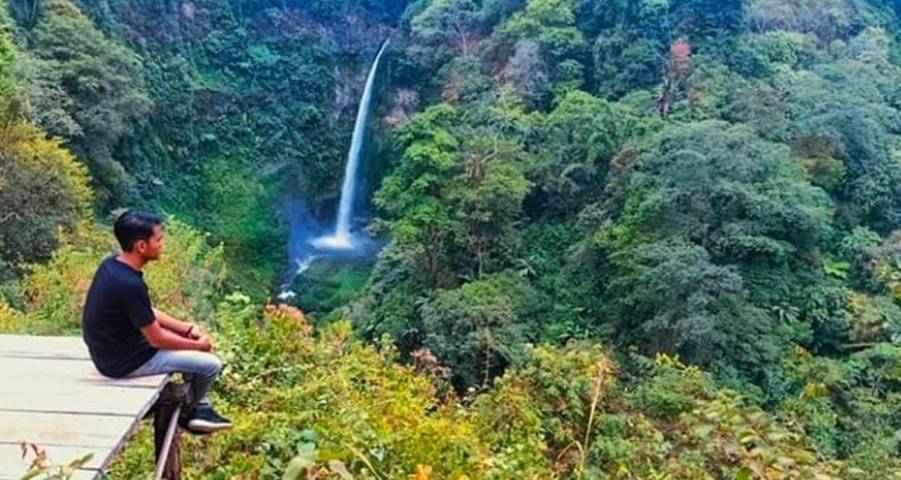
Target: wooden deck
[{"x": 51, "y": 395}]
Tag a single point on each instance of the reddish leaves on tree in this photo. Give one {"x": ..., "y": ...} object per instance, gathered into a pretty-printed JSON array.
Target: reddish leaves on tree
[
  {"x": 677, "y": 68},
  {"x": 679, "y": 58}
]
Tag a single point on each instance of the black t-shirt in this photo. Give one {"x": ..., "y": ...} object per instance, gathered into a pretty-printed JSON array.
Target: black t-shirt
[{"x": 118, "y": 305}]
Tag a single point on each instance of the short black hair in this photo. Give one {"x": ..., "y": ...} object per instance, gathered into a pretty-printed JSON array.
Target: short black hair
[{"x": 134, "y": 225}]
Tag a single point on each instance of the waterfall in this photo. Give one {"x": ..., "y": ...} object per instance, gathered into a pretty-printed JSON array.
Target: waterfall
[{"x": 341, "y": 239}]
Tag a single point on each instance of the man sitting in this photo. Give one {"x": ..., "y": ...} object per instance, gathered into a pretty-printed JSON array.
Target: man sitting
[{"x": 127, "y": 337}]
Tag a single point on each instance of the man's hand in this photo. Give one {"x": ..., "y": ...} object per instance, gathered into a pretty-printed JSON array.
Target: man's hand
[
  {"x": 205, "y": 343},
  {"x": 196, "y": 332},
  {"x": 183, "y": 329},
  {"x": 166, "y": 339}
]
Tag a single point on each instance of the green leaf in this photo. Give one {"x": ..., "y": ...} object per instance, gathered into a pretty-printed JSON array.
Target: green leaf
[
  {"x": 80, "y": 462},
  {"x": 702, "y": 432},
  {"x": 744, "y": 473},
  {"x": 297, "y": 467},
  {"x": 33, "y": 473},
  {"x": 304, "y": 460}
]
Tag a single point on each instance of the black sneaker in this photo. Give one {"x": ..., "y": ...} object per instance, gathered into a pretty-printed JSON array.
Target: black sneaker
[{"x": 205, "y": 420}]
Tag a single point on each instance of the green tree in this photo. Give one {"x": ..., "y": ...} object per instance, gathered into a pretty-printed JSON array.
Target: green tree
[
  {"x": 480, "y": 328},
  {"x": 677, "y": 300},
  {"x": 42, "y": 188},
  {"x": 706, "y": 206},
  {"x": 457, "y": 195},
  {"x": 842, "y": 112},
  {"x": 579, "y": 138},
  {"x": 85, "y": 88},
  {"x": 623, "y": 63},
  {"x": 8, "y": 55},
  {"x": 237, "y": 207},
  {"x": 413, "y": 194},
  {"x": 542, "y": 39},
  {"x": 486, "y": 199},
  {"x": 453, "y": 206},
  {"x": 714, "y": 18},
  {"x": 551, "y": 23},
  {"x": 828, "y": 20},
  {"x": 527, "y": 73},
  {"x": 721, "y": 188},
  {"x": 452, "y": 22}
]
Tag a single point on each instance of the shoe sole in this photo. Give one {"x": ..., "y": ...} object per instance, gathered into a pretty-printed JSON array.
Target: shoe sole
[{"x": 203, "y": 426}]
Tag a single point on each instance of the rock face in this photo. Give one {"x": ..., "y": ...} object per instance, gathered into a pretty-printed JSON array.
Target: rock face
[
  {"x": 279, "y": 79},
  {"x": 226, "y": 108},
  {"x": 348, "y": 87},
  {"x": 403, "y": 104}
]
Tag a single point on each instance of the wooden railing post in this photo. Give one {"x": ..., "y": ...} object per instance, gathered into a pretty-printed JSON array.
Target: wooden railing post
[{"x": 165, "y": 430}]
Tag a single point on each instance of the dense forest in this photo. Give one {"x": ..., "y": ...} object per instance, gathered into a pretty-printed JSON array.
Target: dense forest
[{"x": 643, "y": 239}]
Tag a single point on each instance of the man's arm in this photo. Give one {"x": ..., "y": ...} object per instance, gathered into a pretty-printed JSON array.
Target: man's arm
[
  {"x": 166, "y": 339},
  {"x": 171, "y": 323}
]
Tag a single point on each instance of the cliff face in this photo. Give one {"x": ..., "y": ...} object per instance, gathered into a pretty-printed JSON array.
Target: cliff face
[
  {"x": 230, "y": 106},
  {"x": 279, "y": 79}
]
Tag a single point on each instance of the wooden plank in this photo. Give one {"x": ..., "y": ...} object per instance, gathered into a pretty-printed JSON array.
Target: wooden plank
[
  {"x": 64, "y": 429},
  {"x": 43, "y": 347},
  {"x": 40, "y": 396},
  {"x": 68, "y": 372},
  {"x": 51, "y": 395}
]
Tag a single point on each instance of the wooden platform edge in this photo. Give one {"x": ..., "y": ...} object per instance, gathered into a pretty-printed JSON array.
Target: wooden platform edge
[
  {"x": 105, "y": 463},
  {"x": 68, "y": 349}
]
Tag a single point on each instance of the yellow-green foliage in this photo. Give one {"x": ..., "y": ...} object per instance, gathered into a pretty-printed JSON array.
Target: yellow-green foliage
[
  {"x": 56, "y": 290},
  {"x": 889, "y": 270},
  {"x": 331, "y": 403},
  {"x": 366, "y": 410},
  {"x": 317, "y": 405},
  {"x": 42, "y": 187},
  {"x": 7, "y": 53},
  {"x": 872, "y": 317},
  {"x": 538, "y": 419},
  {"x": 285, "y": 388},
  {"x": 11, "y": 320},
  {"x": 186, "y": 282}
]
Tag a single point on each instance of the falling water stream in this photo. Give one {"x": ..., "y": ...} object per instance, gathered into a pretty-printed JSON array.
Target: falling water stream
[{"x": 341, "y": 240}]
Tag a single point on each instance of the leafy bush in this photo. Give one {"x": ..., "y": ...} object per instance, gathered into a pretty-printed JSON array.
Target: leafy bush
[{"x": 42, "y": 188}]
